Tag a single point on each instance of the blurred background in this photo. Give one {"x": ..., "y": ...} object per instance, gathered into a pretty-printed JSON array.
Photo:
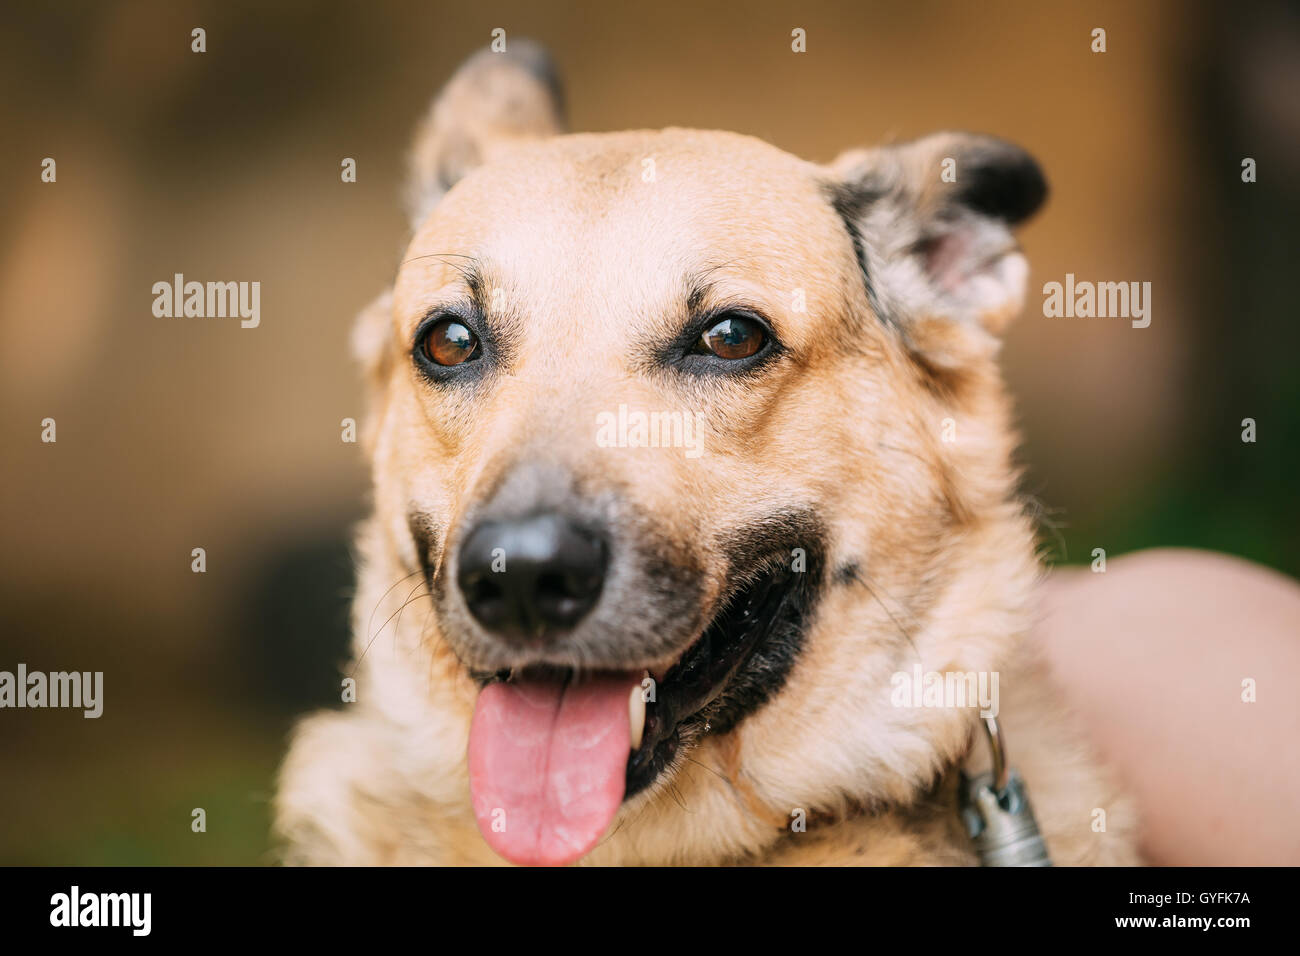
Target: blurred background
[{"x": 177, "y": 434}]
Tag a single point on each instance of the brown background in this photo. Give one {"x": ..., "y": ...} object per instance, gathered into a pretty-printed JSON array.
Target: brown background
[{"x": 183, "y": 433}]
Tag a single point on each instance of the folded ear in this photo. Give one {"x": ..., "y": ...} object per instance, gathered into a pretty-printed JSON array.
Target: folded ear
[
  {"x": 372, "y": 336},
  {"x": 494, "y": 99},
  {"x": 931, "y": 223}
]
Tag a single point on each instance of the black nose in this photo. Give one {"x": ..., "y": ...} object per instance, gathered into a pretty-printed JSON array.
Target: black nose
[{"x": 531, "y": 578}]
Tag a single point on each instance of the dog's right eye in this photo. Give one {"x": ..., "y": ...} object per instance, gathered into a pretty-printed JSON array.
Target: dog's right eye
[
  {"x": 450, "y": 342},
  {"x": 734, "y": 337}
]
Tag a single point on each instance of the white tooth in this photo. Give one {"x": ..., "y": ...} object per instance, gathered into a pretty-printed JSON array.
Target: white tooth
[{"x": 636, "y": 715}]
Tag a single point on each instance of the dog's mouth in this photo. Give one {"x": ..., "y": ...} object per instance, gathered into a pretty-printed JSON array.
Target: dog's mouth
[
  {"x": 553, "y": 754},
  {"x": 722, "y": 676}
]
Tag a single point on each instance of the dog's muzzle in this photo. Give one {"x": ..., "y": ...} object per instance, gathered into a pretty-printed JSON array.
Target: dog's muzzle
[{"x": 555, "y": 750}]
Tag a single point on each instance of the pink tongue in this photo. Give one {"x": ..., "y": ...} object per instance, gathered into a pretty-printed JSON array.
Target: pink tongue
[{"x": 546, "y": 765}]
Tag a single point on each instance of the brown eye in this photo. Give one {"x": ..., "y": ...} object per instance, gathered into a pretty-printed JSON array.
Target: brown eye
[
  {"x": 733, "y": 338},
  {"x": 450, "y": 342}
]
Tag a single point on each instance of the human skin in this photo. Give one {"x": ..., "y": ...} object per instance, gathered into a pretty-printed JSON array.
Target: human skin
[{"x": 1152, "y": 654}]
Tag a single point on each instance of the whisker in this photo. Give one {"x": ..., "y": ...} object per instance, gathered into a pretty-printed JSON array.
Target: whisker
[
  {"x": 677, "y": 796},
  {"x": 717, "y": 773},
  {"x": 469, "y": 272},
  {"x": 857, "y": 576},
  {"x": 410, "y": 599},
  {"x": 740, "y": 258},
  {"x": 380, "y": 602}
]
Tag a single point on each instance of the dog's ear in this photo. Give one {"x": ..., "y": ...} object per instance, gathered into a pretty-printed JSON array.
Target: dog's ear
[
  {"x": 372, "y": 336},
  {"x": 931, "y": 224},
  {"x": 494, "y": 99}
]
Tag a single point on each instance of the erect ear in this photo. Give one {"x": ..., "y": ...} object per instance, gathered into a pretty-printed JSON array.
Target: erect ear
[
  {"x": 493, "y": 100},
  {"x": 931, "y": 223}
]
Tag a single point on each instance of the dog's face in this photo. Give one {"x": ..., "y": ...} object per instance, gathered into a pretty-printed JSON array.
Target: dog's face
[{"x": 694, "y": 442}]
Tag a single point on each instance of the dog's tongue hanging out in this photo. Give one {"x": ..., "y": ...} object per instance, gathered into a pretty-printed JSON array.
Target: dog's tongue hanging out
[{"x": 547, "y": 765}]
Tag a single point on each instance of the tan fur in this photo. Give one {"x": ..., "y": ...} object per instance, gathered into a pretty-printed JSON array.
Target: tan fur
[{"x": 590, "y": 258}]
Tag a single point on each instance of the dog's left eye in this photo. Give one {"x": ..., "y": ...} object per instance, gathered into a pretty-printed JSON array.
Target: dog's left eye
[{"x": 734, "y": 337}]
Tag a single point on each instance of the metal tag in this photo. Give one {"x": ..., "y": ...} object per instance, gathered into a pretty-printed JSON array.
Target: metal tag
[
  {"x": 995, "y": 807},
  {"x": 1002, "y": 826}
]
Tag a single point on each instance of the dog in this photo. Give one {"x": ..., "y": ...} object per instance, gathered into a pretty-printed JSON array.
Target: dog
[{"x": 574, "y": 639}]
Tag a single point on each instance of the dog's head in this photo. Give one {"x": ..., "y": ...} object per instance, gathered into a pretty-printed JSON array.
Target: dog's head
[{"x": 695, "y": 443}]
